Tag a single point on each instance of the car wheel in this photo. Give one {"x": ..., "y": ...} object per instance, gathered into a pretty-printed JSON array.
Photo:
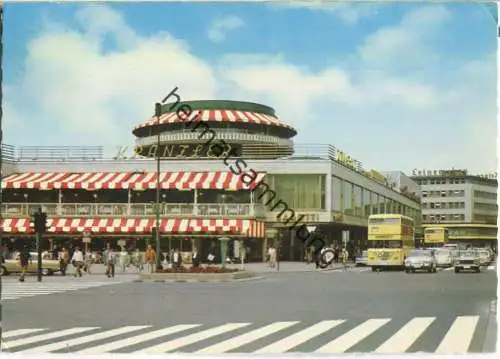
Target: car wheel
[
  {"x": 45, "y": 271},
  {"x": 457, "y": 270},
  {"x": 407, "y": 270},
  {"x": 478, "y": 270},
  {"x": 374, "y": 269},
  {"x": 3, "y": 271},
  {"x": 413, "y": 270}
]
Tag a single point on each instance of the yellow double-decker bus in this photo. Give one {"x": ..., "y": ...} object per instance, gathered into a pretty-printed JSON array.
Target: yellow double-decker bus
[
  {"x": 435, "y": 236},
  {"x": 390, "y": 238}
]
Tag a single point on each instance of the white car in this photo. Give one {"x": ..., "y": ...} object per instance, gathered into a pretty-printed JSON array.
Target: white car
[
  {"x": 421, "y": 259},
  {"x": 444, "y": 257},
  {"x": 484, "y": 256}
]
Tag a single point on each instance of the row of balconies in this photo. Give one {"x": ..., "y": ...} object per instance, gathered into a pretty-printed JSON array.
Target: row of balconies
[{"x": 133, "y": 209}]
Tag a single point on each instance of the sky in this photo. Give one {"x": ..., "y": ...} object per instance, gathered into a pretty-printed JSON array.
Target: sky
[{"x": 397, "y": 86}]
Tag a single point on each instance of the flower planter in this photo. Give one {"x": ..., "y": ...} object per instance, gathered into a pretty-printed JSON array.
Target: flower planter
[{"x": 195, "y": 277}]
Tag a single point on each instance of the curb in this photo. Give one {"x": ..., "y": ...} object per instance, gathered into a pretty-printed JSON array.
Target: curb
[
  {"x": 490, "y": 340},
  {"x": 197, "y": 280}
]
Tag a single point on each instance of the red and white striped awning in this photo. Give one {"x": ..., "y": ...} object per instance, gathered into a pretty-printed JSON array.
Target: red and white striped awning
[
  {"x": 217, "y": 116},
  {"x": 240, "y": 227},
  {"x": 128, "y": 180}
]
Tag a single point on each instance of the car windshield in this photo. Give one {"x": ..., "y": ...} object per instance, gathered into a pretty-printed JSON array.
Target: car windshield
[
  {"x": 442, "y": 252},
  {"x": 419, "y": 253},
  {"x": 468, "y": 252}
]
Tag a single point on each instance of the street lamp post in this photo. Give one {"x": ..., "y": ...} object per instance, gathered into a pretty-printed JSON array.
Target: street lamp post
[{"x": 158, "y": 114}]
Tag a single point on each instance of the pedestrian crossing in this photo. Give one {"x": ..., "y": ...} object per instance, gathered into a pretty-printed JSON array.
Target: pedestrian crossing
[
  {"x": 15, "y": 289},
  {"x": 379, "y": 335}
]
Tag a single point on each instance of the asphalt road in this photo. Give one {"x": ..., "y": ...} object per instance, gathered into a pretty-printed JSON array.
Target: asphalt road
[{"x": 358, "y": 310}]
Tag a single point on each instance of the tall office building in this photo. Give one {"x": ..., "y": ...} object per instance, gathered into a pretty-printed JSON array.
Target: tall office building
[{"x": 465, "y": 204}]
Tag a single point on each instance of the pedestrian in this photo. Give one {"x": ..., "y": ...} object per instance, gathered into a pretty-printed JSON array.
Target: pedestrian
[
  {"x": 123, "y": 259},
  {"x": 242, "y": 257},
  {"x": 24, "y": 258},
  {"x": 88, "y": 261},
  {"x": 63, "y": 261},
  {"x": 110, "y": 260},
  {"x": 150, "y": 258},
  {"x": 177, "y": 259},
  {"x": 137, "y": 258},
  {"x": 77, "y": 261},
  {"x": 196, "y": 258}
]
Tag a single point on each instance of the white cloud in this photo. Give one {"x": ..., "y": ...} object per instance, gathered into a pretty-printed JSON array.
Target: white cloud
[
  {"x": 220, "y": 27},
  {"x": 348, "y": 12},
  {"x": 369, "y": 109}
]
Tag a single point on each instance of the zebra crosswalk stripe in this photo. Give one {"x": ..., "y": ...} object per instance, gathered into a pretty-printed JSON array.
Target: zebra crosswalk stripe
[
  {"x": 349, "y": 339},
  {"x": 246, "y": 338},
  {"x": 19, "y": 332},
  {"x": 294, "y": 340},
  {"x": 25, "y": 290},
  {"x": 191, "y": 339},
  {"x": 48, "y": 336},
  {"x": 405, "y": 337},
  {"x": 85, "y": 339},
  {"x": 458, "y": 338},
  {"x": 119, "y": 344}
]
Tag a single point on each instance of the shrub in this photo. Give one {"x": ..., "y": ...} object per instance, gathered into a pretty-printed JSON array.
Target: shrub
[{"x": 207, "y": 269}]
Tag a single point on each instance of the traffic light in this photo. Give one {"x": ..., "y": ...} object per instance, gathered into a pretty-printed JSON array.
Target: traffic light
[{"x": 40, "y": 219}]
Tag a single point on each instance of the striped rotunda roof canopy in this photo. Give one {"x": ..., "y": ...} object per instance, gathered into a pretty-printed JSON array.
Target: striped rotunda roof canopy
[{"x": 219, "y": 111}]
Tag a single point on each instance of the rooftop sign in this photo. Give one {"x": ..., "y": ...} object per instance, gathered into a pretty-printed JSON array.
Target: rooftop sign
[{"x": 440, "y": 173}]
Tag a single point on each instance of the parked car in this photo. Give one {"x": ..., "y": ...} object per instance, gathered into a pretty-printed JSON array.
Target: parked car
[
  {"x": 362, "y": 259},
  {"x": 485, "y": 257},
  {"x": 49, "y": 266},
  {"x": 468, "y": 260},
  {"x": 444, "y": 257},
  {"x": 421, "y": 259}
]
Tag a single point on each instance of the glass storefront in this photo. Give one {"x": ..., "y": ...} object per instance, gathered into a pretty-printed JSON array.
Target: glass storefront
[{"x": 299, "y": 191}]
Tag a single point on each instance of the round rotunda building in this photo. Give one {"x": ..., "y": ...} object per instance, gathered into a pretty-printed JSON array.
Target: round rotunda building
[{"x": 248, "y": 129}]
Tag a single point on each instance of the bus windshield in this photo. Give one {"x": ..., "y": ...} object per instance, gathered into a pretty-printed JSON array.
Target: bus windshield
[
  {"x": 385, "y": 244},
  {"x": 384, "y": 221}
]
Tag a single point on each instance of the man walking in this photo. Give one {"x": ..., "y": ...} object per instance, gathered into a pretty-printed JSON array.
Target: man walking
[
  {"x": 150, "y": 257},
  {"x": 24, "y": 258},
  {"x": 77, "y": 261}
]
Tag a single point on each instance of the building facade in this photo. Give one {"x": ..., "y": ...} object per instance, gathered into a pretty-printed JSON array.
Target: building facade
[
  {"x": 202, "y": 196},
  {"x": 465, "y": 204}
]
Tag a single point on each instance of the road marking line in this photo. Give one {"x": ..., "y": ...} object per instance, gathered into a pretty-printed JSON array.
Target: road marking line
[
  {"x": 83, "y": 339},
  {"x": 246, "y": 338},
  {"x": 294, "y": 340},
  {"x": 42, "y": 337},
  {"x": 406, "y": 336},
  {"x": 352, "y": 337},
  {"x": 19, "y": 332},
  {"x": 191, "y": 339},
  {"x": 458, "y": 338},
  {"x": 106, "y": 348}
]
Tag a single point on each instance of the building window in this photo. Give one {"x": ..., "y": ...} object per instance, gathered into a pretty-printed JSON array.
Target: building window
[
  {"x": 358, "y": 201},
  {"x": 424, "y": 193},
  {"x": 336, "y": 194},
  {"x": 348, "y": 198},
  {"x": 366, "y": 202}
]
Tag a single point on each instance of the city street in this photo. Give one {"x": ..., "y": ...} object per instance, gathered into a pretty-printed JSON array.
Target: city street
[{"x": 337, "y": 311}]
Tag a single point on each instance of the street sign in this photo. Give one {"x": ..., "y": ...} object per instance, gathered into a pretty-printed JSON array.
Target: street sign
[
  {"x": 121, "y": 242},
  {"x": 311, "y": 228},
  {"x": 86, "y": 240},
  {"x": 345, "y": 236}
]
